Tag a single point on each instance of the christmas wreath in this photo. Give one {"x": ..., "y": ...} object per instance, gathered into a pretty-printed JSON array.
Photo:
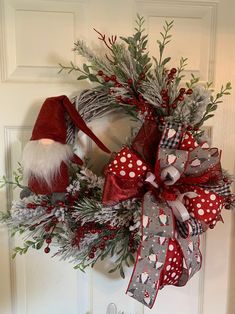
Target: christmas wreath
[{"x": 158, "y": 194}]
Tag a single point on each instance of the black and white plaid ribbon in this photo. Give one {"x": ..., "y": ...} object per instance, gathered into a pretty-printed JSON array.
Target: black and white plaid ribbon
[
  {"x": 189, "y": 228},
  {"x": 223, "y": 190},
  {"x": 174, "y": 129}
]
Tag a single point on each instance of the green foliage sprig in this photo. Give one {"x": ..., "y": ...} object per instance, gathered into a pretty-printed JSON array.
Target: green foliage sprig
[
  {"x": 213, "y": 104},
  {"x": 17, "y": 178}
]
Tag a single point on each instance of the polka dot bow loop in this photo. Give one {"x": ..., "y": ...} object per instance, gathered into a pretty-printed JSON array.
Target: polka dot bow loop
[
  {"x": 206, "y": 206},
  {"x": 189, "y": 143},
  {"x": 173, "y": 266},
  {"x": 124, "y": 177}
]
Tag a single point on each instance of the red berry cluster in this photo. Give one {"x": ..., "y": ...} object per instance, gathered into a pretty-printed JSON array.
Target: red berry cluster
[
  {"x": 32, "y": 206},
  {"x": 192, "y": 128},
  {"x": 49, "y": 228},
  {"x": 165, "y": 98},
  {"x": 46, "y": 205},
  {"x": 133, "y": 244},
  {"x": 52, "y": 222},
  {"x": 165, "y": 94},
  {"x": 134, "y": 100},
  {"x": 108, "y": 79},
  {"x": 128, "y": 86},
  {"x": 106, "y": 234},
  {"x": 179, "y": 98},
  {"x": 171, "y": 75},
  {"x": 113, "y": 79}
]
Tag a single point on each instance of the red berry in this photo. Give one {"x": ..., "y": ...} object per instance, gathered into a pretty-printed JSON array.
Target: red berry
[
  {"x": 181, "y": 98},
  {"x": 47, "y": 250},
  {"x": 112, "y": 227},
  {"x": 60, "y": 203},
  {"x": 174, "y": 105},
  {"x": 173, "y": 70},
  {"x": 164, "y": 92},
  {"x": 47, "y": 228},
  {"x": 93, "y": 249},
  {"x": 31, "y": 206},
  {"x": 119, "y": 98},
  {"x": 48, "y": 240},
  {"x": 93, "y": 231},
  {"x": 100, "y": 73},
  {"x": 107, "y": 78},
  {"x": 102, "y": 245},
  {"x": 105, "y": 238},
  {"x": 91, "y": 255},
  {"x": 161, "y": 120},
  {"x": 117, "y": 85},
  {"x": 54, "y": 220},
  {"x": 128, "y": 100},
  {"x": 189, "y": 91},
  {"x": 113, "y": 78},
  {"x": 129, "y": 81},
  {"x": 182, "y": 90}
]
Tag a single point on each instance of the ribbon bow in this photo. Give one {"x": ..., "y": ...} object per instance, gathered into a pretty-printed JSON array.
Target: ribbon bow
[{"x": 179, "y": 182}]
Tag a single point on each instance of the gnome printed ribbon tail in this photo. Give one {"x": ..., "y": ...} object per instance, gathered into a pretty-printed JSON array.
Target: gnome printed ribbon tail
[{"x": 164, "y": 257}]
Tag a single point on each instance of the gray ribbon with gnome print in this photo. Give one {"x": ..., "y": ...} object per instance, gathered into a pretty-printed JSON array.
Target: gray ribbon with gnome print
[{"x": 158, "y": 236}]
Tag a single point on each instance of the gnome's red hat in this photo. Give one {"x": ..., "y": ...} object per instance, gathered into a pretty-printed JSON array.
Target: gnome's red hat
[
  {"x": 51, "y": 122},
  {"x": 46, "y": 156}
]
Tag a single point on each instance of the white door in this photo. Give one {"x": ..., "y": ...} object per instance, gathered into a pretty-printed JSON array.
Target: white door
[{"x": 36, "y": 35}]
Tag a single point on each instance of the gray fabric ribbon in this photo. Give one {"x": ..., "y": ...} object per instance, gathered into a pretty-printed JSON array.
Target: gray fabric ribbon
[{"x": 158, "y": 231}]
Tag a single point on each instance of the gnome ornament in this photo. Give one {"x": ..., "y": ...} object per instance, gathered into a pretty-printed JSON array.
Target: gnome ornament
[{"x": 46, "y": 155}]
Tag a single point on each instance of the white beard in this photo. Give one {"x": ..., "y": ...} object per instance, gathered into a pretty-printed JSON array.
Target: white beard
[{"x": 42, "y": 161}]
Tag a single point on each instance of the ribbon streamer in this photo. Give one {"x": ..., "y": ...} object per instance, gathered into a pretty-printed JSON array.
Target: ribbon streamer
[{"x": 153, "y": 270}]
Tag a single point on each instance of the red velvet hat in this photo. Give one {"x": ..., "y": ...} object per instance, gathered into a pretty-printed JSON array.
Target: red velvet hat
[{"x": 51, "y": 122}]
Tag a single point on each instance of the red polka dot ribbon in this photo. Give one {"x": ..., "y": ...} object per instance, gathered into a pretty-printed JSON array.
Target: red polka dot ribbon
[
  {"x": 127, "y": 165},
  {"x": 125, "y": 176}
]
